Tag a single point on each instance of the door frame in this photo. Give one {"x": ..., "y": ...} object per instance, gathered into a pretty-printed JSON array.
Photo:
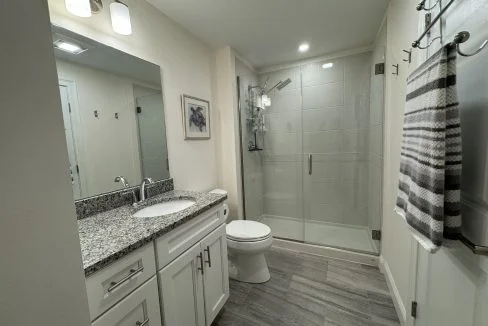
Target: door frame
[{"x": 77, "y": 127}]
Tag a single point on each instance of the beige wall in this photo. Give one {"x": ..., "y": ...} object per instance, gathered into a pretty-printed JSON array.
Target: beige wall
[
  {"x": 186, "y": 64},
  {"x": 41, "y": 275},
  {"x": 229, "y": 152}
]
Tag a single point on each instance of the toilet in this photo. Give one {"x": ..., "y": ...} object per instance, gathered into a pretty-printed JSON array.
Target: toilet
[{"x": 247, "y": 241}]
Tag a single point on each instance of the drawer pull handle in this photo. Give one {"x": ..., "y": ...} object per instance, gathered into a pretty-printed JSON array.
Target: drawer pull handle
[
  {"x": 144, "y": 323},
  {"x": 200, "y": 256},
  {"x": 208, "y": 255},
  {"x": 133, "y": 272}
]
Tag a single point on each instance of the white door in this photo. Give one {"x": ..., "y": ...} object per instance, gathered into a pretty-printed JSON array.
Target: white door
[
  {"x": 216, "y": 274},
  {"x": 70, "y": 141},
  {"x": 181, "y": 290}
]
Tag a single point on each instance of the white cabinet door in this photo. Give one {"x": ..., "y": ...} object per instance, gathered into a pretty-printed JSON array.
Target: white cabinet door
[
  {"x": 140, "y": 308},
  {"x": 181, "y": 290},
  {"x": 216, "y": 274}
]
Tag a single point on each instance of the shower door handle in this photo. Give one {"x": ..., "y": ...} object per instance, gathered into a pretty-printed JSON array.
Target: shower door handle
[{"x": 310, "y": 162}]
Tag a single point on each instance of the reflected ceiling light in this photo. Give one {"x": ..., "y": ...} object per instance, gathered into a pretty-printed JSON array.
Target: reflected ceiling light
[
  {"x": 119, "y": 13},
  {"x": 80, "y": 8},
  {"x": 327, "y": 65},
  {"x": 68, "y": 47},
  {"x": 304, "y": 47}
]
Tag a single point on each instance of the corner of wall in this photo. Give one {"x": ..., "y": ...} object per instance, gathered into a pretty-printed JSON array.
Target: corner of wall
[
  {"x": 228, "y": 127},
  {"x": 397, "y": 298}
]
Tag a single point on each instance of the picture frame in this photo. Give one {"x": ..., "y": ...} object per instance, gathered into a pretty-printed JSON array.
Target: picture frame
[{"x": 196, "y": 117}]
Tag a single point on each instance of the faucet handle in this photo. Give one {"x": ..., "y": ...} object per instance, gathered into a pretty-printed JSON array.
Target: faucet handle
[{"x": 122, "y": 180}]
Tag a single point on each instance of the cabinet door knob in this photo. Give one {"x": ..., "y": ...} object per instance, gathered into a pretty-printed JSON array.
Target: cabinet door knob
[{"x": 209, "y": 261}]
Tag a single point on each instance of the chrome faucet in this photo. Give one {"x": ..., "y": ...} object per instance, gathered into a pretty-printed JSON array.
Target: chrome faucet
[
  {"x": 122, "y": 180},
  {"x": 142, "y": 190}
]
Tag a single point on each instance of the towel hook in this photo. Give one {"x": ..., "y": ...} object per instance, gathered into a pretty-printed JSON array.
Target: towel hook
[
  {"x": 462, "y": 37},
  {"x": 416, "y": 44},
  {"x": 421, "y": 5},
  {"x": 409, "y": 56}
]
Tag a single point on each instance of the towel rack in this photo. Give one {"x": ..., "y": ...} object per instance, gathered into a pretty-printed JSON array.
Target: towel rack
[
  {"x": 477, "y": 250},
  {"x": 462, "y": 37},
  {"x": 421, "y": 5},
  {"x": 432, "y": 24}
]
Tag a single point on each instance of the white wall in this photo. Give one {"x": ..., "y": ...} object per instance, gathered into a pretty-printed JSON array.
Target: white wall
[
  {"x": 450, "y": 286},
  {"x": 186, "y": 64},
  {"x": 402, "y": 24},
  {"x": 106, "y": 147},
  {"x": 227, "y": 66},
  {"x": 41, "y": 278}
]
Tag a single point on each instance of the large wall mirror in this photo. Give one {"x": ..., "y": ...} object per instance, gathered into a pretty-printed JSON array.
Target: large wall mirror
[{"x": 113, "y": 113}]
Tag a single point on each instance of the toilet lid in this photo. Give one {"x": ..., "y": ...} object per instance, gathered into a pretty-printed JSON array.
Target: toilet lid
[{"x": 243, "y": 230}]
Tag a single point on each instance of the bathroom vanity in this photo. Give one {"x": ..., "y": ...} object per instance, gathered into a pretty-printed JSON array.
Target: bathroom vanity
[{"x": 164, "y": 270}]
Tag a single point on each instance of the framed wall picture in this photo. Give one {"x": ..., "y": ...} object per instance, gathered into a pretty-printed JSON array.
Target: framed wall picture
[{"x": 196, "y": 116}]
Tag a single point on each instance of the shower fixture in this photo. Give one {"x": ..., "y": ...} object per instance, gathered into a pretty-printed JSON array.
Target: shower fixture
[{"x": 279, "y": 85}]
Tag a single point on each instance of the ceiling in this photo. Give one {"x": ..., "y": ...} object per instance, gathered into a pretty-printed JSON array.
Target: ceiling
[{"x": 268, "y": 32}]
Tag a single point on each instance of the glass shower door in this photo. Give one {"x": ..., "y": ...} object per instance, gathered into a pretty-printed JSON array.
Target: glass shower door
[{"x": 337, "y": 174}]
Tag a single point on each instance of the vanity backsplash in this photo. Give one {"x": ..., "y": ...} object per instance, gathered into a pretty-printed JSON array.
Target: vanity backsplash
[{"x": 93, "y": 205}]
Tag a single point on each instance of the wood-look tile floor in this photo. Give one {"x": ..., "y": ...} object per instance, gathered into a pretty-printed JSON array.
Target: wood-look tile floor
[{"x": 311, "y": 290}]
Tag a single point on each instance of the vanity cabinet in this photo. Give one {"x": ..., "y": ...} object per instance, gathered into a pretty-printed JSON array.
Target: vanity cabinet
[
  {"x": 195, "y": 286},
  {"x": 179, "y": 279}
]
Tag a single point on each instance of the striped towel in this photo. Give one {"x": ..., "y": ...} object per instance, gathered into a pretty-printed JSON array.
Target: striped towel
[{"x": 430, "y": 164}]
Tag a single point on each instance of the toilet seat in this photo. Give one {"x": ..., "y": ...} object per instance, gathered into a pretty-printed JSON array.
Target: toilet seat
[{"x": 247, "y": 231}]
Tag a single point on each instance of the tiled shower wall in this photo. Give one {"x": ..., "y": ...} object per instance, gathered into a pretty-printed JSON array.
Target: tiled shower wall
[{"x": 326, "y": 113}]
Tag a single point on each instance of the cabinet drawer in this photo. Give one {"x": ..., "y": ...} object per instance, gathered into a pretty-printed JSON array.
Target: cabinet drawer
[
  {"x": 107, "y": 286},
  {"x": 174, "y": 243},
  {"x": 139, "y": 308}
]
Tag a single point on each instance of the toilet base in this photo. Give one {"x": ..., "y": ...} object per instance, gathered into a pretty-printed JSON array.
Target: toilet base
[{"x": 249, "y": 268}]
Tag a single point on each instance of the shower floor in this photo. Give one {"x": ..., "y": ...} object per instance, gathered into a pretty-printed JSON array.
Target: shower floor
[{"x": 342, "y": 236}]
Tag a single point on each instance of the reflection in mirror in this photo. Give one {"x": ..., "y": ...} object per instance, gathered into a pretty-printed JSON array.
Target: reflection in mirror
[{"x": 113, "y": 115}]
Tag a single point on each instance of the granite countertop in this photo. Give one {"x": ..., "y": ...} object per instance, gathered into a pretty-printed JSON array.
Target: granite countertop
[{"x": 110, "y": 235}]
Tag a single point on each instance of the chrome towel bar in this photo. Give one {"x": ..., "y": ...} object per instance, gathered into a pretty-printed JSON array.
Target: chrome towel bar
[{"x": 477, "y": 250}]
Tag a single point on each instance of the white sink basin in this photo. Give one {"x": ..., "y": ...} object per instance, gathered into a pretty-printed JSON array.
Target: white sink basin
[{"x": 165, "y": 208}]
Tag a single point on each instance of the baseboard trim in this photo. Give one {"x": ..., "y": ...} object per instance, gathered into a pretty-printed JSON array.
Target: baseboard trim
[
  {"x": 340, "y": 254},
  {"x": 397, "y": 299}
]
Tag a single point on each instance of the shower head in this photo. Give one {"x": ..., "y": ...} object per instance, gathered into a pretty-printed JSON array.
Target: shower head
[
  {"x": 283, "y": 84},
  {"x": 279, "y": 85}
]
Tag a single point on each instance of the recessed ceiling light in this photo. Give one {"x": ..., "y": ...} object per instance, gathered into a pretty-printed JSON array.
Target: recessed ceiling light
[
  {"x": 68, "y": 47},
  {"x": 304, "y": 47},
  {"x": 327, "y": 65}
]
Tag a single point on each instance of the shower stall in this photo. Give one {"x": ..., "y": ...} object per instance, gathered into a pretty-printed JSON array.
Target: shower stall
[{"x": 311, "y": 139}]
